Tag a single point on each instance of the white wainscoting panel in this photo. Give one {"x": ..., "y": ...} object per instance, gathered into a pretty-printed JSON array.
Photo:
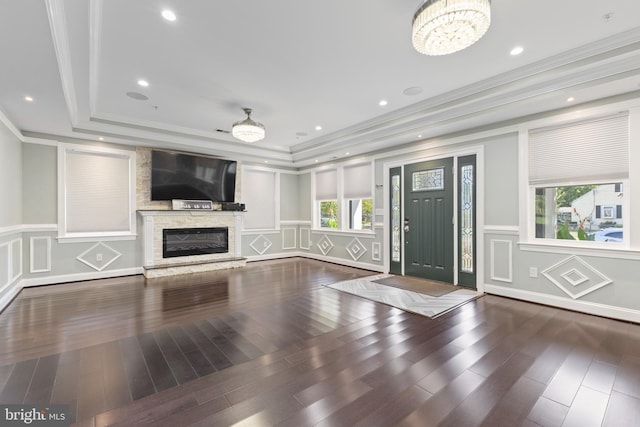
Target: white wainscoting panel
[
  {"x": 305, "y": 238},
  {"x": 16, "y": 259},
  {"x": 99, "y": 256},
  {"x": 39, "y": 254},
  {"x": 289, "y": 238},
  {"x": 325, "y": 244},
  {"x": 575, "y": 277},
  {"x": 502, "y": 260},
  {"x": 376, "y": 251},
  {"x": 260, "y": 244},
  {"x": 5, "y": 265},
  {"x": 356, "y": 249}
]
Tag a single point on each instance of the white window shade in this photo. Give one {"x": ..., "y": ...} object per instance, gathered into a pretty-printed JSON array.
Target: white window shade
[
  {"x": 358, "y": 181},
  {"x": 327, "y": 185},
  {"x": 259, "y": 196},
  {"x": 97, "y": 189},
  {"x": 583, "y": 152}
]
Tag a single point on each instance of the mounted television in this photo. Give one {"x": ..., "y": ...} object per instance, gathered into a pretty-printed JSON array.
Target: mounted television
[{"x": 190, "y": 177}]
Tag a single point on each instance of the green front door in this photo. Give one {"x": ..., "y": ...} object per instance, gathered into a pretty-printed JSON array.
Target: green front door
[{"x": 428, "y": 220}]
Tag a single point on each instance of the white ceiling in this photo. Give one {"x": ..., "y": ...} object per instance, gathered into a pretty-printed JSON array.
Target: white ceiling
[{"x": 298, "y": 64}]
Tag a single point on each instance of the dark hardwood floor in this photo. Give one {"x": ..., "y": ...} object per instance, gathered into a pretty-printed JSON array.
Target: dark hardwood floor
[{"x": 268, "y": 345}]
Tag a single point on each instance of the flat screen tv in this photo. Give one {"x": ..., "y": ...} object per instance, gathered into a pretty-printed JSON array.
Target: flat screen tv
[{"x": 191, "y": 177}]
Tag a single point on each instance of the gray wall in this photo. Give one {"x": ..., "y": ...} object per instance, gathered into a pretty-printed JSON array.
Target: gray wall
[
  {"x": 501, "y": 180},
  {"x": 11, "y": 264},
  {"x": 39, "y": 184},
  {"x": 11, "y": 178},
  {"x": 289, "y": 189}
]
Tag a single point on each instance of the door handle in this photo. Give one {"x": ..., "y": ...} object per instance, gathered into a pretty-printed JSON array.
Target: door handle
[{"x": 406, "y": 225}]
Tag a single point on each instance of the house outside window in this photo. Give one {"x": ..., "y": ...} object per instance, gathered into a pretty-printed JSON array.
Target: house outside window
[{"x": 580, "y": 212}]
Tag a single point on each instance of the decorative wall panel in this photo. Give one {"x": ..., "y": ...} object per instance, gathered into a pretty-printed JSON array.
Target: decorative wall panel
[
  {"x": 40, "y": 254},
  {"x": 325, "y": 245},
  {"x": 356, "y": 249},
  {"x": 16, "y": 259},
  {"x": 260, "y": 244},
  {"x": 5, "y": 263},
  {"x": 99, "y": 256},
  {"x": 289, "y": 238},
  {"x": 305, "y": 238},
  {"x": 376, "y": 251},
  {"x": 575, "y": 277},
  {"x": 502, "y": 260}
]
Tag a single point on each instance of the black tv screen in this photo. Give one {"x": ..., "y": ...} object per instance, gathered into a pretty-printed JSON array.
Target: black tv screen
[{"x": 191, "y": 177}]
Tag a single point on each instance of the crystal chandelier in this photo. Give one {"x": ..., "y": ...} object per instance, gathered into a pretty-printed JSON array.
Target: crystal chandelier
[
  {"x": 441, "y": 27},
  {"x": 247, "y": 130}
]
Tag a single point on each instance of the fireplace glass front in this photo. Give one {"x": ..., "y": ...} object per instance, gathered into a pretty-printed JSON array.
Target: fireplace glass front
[{"x": 177, "y": 242}]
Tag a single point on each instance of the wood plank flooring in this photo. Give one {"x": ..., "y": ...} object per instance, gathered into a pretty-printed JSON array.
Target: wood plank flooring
[{"x": 268, "y": 345}]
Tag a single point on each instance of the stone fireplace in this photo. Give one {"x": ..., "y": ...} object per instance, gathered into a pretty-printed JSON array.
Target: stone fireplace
[
  {"x": 154, "y": 217},
  {"x": 197, "y": 241}
]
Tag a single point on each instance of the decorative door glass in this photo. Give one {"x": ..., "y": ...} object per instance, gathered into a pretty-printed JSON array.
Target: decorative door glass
[
  {"x": 395, "y": 218},
  {"x": 466, "y": 219},
  {"x": 432, "y": 179}
]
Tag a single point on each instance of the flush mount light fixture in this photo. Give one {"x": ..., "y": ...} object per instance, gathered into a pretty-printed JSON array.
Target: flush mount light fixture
[
  {"x": 247, "y": 130},
  {"x": 143, "y": 83},
  {"x": 441, "y": 27}
]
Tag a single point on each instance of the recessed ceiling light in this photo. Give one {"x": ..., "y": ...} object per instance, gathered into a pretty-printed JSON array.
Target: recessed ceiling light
[
  {"x": 346, "y": 154},
  {"x": 28, "y": 98},
  {"x": 420, "y": 136},
  {"x": 143, "y": 83},
  {"x": 137, "y": 96},
  {"x": 412, "y": 91},
  {"x": 382, "y": 103},
  {"x": 318, "y": 127},
  {"x": 168, "y": 15},
  {"x": 516, "y": 50},
  {"x": 266, "y": 161},
  {"x": 570, "y": 99},
  {"x": 317, "y": 160},
  {"x": 101, "y": 138}
]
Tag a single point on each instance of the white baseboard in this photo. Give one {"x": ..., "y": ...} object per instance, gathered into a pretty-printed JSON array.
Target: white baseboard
[
  {"x": 64, "y": 278},
  {"x": 588, "y": 307},
  {"x": 341, "y": 261},
  {"x": 8, "y": 294}
]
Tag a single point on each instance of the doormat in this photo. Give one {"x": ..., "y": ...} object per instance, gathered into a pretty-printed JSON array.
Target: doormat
[
  {"x": 413, "y": 302},
  {"x": 415, "y": 284}
]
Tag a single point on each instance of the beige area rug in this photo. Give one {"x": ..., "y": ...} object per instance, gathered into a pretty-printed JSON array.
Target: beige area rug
[
  {"x": 407, "y": 300},
  {"x": 415, "y": 284}
]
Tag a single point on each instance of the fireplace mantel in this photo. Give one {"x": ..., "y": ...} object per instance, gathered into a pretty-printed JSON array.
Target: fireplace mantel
[{"x": 154, "y": 221}]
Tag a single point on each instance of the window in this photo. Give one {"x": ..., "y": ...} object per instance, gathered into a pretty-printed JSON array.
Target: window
[
  {"x": 329, "y": 214},
  {"x": 327, "y": 198},
  {"x": 343, "y": 197},
  {"x": 97, "y": 188},
  {"x": 360, "y": 214},
  {"x": 580, "y": 212},
  {"x": 577, "y": 176}
]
